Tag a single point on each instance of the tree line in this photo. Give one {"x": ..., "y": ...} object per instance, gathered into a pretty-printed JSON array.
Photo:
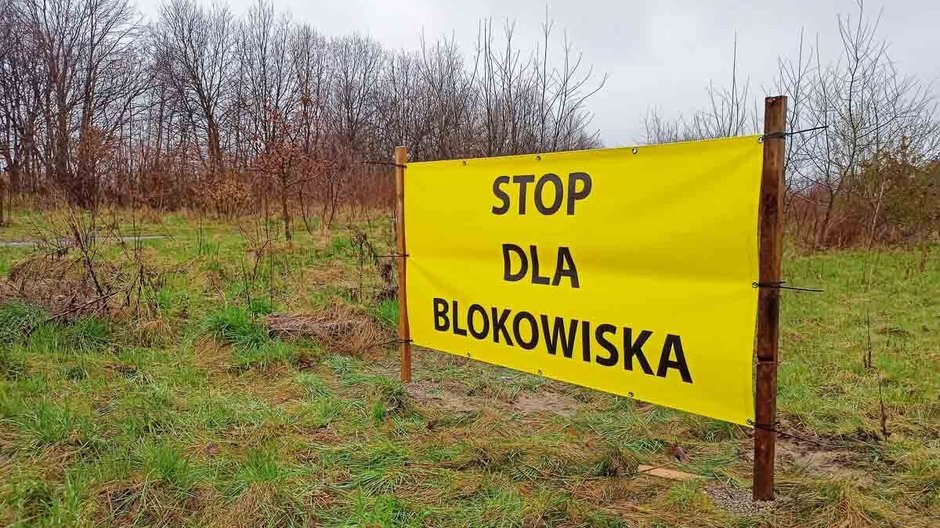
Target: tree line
[
  {"x": 204, "y": 109},
  {"x": 863, "y": 160},
  {"x": 226, "y": 114}
]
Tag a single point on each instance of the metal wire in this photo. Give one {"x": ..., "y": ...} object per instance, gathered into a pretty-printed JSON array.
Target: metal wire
[
  {"x": 388, "y": 163},
  {"x": 780, "y": 286},
  {"x": 765, "y": 427},
  {"x": 781, "y": 135},
  {"x": 392, "y": 342}
]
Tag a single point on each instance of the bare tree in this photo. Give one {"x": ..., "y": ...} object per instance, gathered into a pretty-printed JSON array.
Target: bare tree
[
  {"x": 309, "y": 58},
  {"x": 204, "y": 109},
  {"x": 448, "y": 101},
  {"x": 865, "y": 107},
  {"x": 357, "y": 65},
  {"x": 197, "y": 45},
  {"x": 726, "y": 114},
  {"x": 70, "y": 76},
  {"x": 563, "y": 120}
]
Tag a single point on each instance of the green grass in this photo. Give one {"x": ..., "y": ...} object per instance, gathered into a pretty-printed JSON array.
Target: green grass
[
  {"x": 882, "y": 296},
  {"x": 196, "y": 415},
  {"x": 386, "y": 311},
  {"x": 16, "y": 320},
  {"x": 238, "y": 327}
]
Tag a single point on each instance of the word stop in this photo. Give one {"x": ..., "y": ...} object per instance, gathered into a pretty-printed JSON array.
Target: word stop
[{"x": 548, "y": 195}]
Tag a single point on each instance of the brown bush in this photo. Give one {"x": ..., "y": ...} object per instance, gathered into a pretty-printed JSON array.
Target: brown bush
[{"x": 893, "y": 198}]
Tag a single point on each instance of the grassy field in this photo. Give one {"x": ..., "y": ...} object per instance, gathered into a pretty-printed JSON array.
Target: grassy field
[{"x": 188, "y": 411}]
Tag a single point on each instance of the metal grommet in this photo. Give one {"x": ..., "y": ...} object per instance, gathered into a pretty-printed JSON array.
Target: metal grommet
[
  {"x": 464, "y": 163},
  {"x": 635, "y": 150},
  {"x": 538, "y": 157}
]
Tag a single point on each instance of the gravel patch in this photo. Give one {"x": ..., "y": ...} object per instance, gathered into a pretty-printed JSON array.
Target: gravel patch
[{"x": 736, "y": 501}]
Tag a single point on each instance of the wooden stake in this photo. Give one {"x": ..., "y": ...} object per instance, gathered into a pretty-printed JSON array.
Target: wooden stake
[
  {"x": 404, "y": 332},
  {"x": 768, "y": 300}
]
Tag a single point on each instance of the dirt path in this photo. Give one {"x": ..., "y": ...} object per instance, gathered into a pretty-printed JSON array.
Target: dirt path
[{"x": 30, "y": 243}]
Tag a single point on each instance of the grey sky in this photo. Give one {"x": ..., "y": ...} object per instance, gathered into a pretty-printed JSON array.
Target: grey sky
[{"x": 657, "y": 53}]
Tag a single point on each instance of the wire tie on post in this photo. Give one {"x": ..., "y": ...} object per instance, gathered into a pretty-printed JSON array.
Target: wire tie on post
[
  {"x": 773, "y": 428},
  {"x": 781, "y": 135},
  {"x": 390, "y": 342},
  {"x": 393, "y": 255},
  {"x": 388, "y": 163},
  {"x": 766, "y": 427},
  {"x": 779, "y": 285}
]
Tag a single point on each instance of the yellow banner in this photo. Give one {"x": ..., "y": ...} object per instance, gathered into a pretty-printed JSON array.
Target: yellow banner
[{"x": 626, "y": 270}]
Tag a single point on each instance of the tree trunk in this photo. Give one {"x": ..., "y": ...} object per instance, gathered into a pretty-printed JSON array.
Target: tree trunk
[
  {"x": 823, "y": 232},
  {"x": 215, "y": 146},
  {"x": 285, "y": 211},
  {"x": 3, "y": 189}
]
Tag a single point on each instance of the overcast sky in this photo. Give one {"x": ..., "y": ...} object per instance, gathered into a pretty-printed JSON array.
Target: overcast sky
[{"x": 658, "y": 54}]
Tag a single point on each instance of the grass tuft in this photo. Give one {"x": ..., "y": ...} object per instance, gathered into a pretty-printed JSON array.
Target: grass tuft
[
  {"x": 263, "y": 355},
  {"x": 170, "y": 465},
  {"x": 48, "y": 424},
  {"x": 386, "y": 311},
  {"x": 16, "y": 318},
  {"x": 236, "y": 326},
  {"x": 90, "y": 334}
]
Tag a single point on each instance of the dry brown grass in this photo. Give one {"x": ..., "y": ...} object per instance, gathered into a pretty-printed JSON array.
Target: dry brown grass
[
  {"x": 153, "y": 332},
  {"x": 211, "y": 355},
  {"x": 339, "y": 327},
  {"x": 265, "y": 504},
  {"x": 141, "y": 501},
  {"x": 59, "y": 284}
]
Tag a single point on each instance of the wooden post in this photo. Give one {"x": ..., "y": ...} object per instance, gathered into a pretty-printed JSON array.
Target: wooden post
[
  {"x": 768, "y": 300},
  {"x": 404, "y": 332}
]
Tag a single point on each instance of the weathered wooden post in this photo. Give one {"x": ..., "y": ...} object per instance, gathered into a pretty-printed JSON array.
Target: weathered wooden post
[
  {"x": 404, "y": 333},
  {"x": 768, "y": 300}
]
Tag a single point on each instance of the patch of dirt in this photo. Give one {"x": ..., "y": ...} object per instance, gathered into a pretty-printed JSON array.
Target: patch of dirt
[
  {"x": 819, "y": 460},
  {"x": 274, "y": 385},
  {"x": 624, "y": 497},
  {"x": 333, "y": 274},
  {"x": 447, "y": 395},
  {"x": 546, "y": 402},
  {"x": 306, "y": 362},
  {"x": 319, "y": 435},
  {"x": 122, "y": 370},
  {"x": 119, "y": 501},
  {"x": 211, "y": 355},
  {"x": 894, "y": 331},
  {"x": 737, "y": 501}
]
